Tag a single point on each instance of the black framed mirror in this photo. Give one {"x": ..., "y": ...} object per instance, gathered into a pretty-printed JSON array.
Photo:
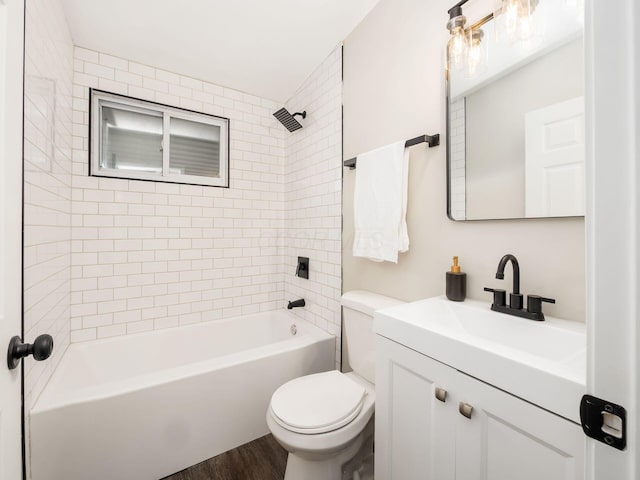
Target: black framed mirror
[{"x": 515, "y": 113}]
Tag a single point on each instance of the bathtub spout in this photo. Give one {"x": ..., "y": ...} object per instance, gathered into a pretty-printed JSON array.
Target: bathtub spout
[{"x": 296, "y": 303}]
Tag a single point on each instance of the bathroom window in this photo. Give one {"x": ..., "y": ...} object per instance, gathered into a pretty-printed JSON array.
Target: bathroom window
[{"x": 143, "y": 140}]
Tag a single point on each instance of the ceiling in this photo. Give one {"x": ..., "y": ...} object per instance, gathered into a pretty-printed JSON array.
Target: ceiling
[{"x": 263, "y": 47}]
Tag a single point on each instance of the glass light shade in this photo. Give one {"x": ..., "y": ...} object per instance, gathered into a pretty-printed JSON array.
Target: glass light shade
[
  {"x": 458, "y": 48},
  {"x": 458, "y": 45},
  {"x": 477, "y": 54},
  {"x": 516, "y": 21},
  {"x": 510, "y": 17}
]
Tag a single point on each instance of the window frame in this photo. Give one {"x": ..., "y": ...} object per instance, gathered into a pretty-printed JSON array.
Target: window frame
[{"x": 100, "y": 98}]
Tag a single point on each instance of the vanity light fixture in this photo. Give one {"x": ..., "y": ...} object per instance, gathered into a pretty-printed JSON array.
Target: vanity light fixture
[{"x": 514, "y": 21}]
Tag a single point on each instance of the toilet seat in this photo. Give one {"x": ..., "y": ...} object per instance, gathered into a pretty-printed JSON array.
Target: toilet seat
[{"x": 317, "y": 403}]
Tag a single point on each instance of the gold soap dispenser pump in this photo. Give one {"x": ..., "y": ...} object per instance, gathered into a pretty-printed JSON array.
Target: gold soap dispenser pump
[{"x": 456, "y": 283}]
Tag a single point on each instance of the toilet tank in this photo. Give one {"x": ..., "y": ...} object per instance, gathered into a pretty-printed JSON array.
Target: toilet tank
[{"x": 358, "y": 307}]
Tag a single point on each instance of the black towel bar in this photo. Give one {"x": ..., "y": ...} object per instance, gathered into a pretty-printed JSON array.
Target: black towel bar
[{"x": 432, "y": 140}]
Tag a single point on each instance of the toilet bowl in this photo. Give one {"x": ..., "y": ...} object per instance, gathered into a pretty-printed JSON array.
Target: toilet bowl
[
  {"x": 324, "y": 420},
  {"x": 324, "y": 440}
]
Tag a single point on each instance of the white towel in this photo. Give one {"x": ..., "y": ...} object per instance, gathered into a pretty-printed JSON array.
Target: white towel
[{"x": 380, "y": 203}]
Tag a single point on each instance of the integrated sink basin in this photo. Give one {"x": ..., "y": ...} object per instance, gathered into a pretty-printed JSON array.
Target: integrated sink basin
[{"x": 541, "y": 362}]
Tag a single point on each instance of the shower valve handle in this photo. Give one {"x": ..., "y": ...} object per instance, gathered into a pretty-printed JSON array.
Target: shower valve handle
[{"x": 41, "y": 349}]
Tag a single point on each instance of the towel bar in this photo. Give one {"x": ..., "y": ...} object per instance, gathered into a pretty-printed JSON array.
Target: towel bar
[{"x": 432, "y": 140}]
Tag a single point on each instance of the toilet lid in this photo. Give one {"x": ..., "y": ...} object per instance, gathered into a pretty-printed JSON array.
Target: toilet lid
[{"x": 317, "y": 403}]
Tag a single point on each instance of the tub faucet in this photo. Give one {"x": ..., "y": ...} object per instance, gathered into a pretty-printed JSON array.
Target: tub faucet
[{"x": 296, "y": 303}]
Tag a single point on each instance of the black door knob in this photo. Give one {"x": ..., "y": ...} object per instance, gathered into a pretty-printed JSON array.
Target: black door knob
[{"x": 41, "y": 349}]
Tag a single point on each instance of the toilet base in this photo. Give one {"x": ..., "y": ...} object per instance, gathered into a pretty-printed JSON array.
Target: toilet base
[
  {"x": 315, "y": 466},
  {"x": 330, "y": 466}
]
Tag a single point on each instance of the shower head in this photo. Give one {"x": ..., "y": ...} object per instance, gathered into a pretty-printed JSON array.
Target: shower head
[{"x": 286, "y": 119}]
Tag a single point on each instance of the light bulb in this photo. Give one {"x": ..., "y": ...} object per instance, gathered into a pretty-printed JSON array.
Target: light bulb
[
  {"x": 458, "y": 48},
  {"x": 477, "y": 56},
  {"x": 515, "y": 20},
  {"x": 511, "y": 12}
]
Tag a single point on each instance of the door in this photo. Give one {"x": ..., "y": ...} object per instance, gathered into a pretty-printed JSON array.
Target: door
[
  {"x": 414, "y": 429},
  {"x": 506, "y": 438},
  {"x": 613, "y": 225},
  {"x": 554, "y": 160},
  {"x": 11, "y": 73}
]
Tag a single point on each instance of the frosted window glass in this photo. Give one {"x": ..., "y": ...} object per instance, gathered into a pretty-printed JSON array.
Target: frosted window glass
[
  {"x": 195, "y": 148},
  {"x": 131, "y": 141}
]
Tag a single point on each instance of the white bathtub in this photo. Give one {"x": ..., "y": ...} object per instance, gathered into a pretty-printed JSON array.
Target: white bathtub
[{"x": 148, "y": 405}]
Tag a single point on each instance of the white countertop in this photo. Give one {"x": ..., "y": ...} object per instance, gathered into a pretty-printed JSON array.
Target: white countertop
[{"x": 541, "y": 362}]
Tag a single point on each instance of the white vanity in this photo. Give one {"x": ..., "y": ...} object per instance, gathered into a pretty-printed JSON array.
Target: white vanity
[{"x": 466, "y": 393}]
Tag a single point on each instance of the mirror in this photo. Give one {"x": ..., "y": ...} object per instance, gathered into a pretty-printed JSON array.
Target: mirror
[{"x": 515, "y": 118}]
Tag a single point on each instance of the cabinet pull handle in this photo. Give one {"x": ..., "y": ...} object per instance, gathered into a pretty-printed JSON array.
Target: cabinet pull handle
[
  {"x": 441, "y": 394},
  {"x": 465, "y": 409}
]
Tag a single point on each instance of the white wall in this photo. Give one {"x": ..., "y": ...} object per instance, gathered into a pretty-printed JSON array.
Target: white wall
[
  {"x": 47, "y": 185},
  {"x": 394, "y": 89},
  {"x": 313, "y": 196},
  {"x": 150, "y": 255}
]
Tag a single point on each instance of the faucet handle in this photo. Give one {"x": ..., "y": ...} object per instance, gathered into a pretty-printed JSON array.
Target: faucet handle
[
  {"x": 516, "y": 301},
  {"x": 534, "y": 303},
  {"x": 499, "y": 296}
]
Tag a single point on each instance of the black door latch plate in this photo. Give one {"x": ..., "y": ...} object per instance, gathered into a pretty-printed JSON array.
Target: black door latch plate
[{"x": 593, "y": 412}]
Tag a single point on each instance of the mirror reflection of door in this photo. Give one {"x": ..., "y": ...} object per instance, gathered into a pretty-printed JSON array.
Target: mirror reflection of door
[{"x": 554, "y": 160}]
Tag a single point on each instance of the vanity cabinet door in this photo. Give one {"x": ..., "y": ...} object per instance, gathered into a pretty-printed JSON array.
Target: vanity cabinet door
[
  {"x": 507, "y": 438},
  {"x": 415, "y": 432}
]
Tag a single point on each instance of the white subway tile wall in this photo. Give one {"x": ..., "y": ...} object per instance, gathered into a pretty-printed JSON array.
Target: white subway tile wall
[
  {"x": 106, "y": 257},
  {"x": 148, "y": 255},
  {"x": 47, "y": 186},
  {"x": 313, "y": 197},
  {"x": 458, "y": 164},
  {"x": 155, "y": 255}
]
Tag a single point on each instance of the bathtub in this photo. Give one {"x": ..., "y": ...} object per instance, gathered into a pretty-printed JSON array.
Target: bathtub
[{"x": 147, "y": 405}]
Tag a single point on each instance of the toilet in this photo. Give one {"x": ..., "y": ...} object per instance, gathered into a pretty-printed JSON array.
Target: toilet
[{"x": 324, "y": 420}]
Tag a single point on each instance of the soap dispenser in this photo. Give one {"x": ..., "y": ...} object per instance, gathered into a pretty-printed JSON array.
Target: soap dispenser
[{"x": 456, "y": 283}]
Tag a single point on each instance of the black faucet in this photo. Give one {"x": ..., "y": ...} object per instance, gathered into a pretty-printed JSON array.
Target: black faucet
[
  {"x": 515, "y": 307},
  {"x": 296, "y": 303},
  {"x": 515, "y": 298}
]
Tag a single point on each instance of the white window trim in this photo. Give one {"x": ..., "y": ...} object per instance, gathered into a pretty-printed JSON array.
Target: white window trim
[{"x": 100, "y": 98}]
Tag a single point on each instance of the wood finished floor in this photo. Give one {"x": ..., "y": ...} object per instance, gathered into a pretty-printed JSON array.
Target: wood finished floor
[{"x": 262, "y": 459}]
